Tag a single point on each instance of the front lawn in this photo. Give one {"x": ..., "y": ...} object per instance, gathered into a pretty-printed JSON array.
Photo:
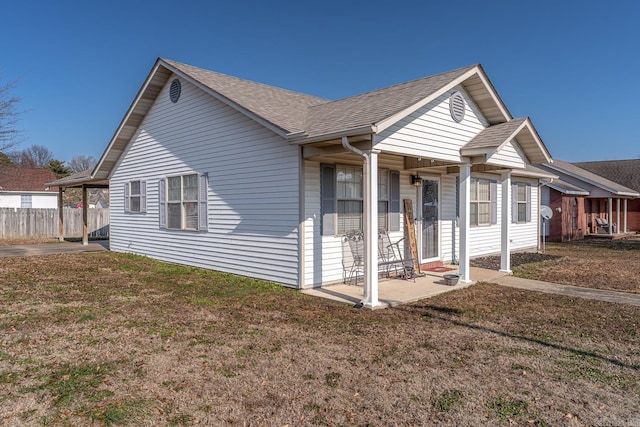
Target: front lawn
[{"x": 115, "y": 339}]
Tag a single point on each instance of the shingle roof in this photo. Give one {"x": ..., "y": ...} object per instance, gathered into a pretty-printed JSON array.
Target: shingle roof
[
  {"x": 283, "y": 108},
  {"x": 18, "y": 178},
  {"x": 624, "y": 172},
  {"x": 375, "y": 106},
  {"x": 590, "y": 177},
  {"x": 494, "y": 136}
]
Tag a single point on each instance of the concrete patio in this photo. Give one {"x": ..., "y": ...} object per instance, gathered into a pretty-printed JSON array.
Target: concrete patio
[{"x": 394, "y": 292}]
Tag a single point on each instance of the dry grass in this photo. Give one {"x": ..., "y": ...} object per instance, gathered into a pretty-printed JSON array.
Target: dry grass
[
  {"x": 114, "y": 339},
  {"x": 601, "y": 264}
]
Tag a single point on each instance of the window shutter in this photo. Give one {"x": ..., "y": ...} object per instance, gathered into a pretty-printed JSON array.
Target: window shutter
[
  {"x": 514, "y": 202},
  {"x": 528, "y": 203},
  {"x": 162, "y": 203},
  {"x": 127, "y": 208},
  {"x": 203, "y": 196},
  {"x": 328, "y": 199},
  {"x": 494, "y": 202},
  {"x": 394, "y": 201},
  {"x": 143, "y": 196}
]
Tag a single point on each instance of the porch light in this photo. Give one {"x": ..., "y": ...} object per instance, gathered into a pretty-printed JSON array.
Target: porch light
[{"x": 416, "y": 180}]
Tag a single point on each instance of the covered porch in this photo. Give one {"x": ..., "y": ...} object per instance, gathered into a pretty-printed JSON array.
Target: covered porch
[
  {"x": 84, "y": 182},
  {"x": 393, "y": 292}
]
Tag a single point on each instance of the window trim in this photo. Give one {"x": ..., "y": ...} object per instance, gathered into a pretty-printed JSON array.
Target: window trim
[
  {"x": 519, "y": 202},
  {"x": 474, "y": 200},
  {"x": 129, "y": 195},
  {"x": 201, "y": 202}
]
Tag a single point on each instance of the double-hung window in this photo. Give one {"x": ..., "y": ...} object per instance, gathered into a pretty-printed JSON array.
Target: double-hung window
[
  {"x": 480, "y": 202},
  {"x": 342, "y": 192},
  {"x": 183, "y": 202},
  {"x": 135, "y": 198},
  {"x": 349, "y": 198},
  {"x": 522, "y": 202}
]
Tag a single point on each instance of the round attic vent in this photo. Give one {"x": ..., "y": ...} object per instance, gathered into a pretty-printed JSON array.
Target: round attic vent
[
  {"x": 174, "y": 90},
  {"x": 456, "y": 106}
]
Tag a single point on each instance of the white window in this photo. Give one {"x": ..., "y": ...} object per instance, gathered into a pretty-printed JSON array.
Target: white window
[
  {"x": 183, "y": 202},
  {"x": 480, "y": 202},
  {"x": 522, "y": 202},
  {"x": 349, "y": 198},
  {"x": 135, "y": 197},
  {"x": 26, "y": 201}
]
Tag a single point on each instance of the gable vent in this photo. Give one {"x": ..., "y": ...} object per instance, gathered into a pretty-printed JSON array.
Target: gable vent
[
  {"x": 175, "y": 90},
  {"x": 456, "y": 106}
]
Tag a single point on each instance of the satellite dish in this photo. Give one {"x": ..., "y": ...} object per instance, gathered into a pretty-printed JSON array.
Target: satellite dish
[{"x": 546, "y": 212}]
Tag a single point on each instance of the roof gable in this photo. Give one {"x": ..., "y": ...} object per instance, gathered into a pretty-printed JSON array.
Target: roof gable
[
  {"x": 19, "y": 178},
  {"x": 492, "y": 139},
  {"x": 379, "y": 109}
]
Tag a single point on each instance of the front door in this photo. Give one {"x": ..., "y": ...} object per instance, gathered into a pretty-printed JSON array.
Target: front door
[{"x": 430, "y": 244}]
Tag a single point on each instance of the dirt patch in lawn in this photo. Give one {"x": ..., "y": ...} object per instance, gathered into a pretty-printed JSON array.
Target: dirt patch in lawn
[
  {"x": 115, "y": 339},
  {"x": 600, "y": 264}
]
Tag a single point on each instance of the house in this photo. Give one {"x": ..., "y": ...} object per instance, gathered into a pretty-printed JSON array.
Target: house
[
  {"x": 584, "y": 203},
  {"x": 25, "y": 187},
  {"x": 623, "y": 172},
  {"x": 214, "y": 171}
]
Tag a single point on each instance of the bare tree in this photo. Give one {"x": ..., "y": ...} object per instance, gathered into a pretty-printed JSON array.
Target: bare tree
[
  {"x": 82, "y": 163},
  {"x": 35, "y": 156},
  {"x": 10, "y": 135}
]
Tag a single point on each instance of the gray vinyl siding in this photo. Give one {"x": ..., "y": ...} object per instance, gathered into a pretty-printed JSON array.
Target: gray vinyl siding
[
  {"x": 430, "y": 131},
  {"x": 252, "y": 193}
]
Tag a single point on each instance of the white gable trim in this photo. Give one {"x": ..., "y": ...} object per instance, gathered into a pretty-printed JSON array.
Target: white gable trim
[{"x": 475, "y": 71}]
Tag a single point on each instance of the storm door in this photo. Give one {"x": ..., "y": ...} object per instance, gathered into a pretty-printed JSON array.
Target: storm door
[{"x": 430, "y": 236}]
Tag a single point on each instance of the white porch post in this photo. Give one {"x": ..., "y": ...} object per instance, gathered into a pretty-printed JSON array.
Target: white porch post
[
  {"x": 464, "y": 222},
  {"x": 610, "y": 218},
  {"x": 625, "y": 215},
  {"x": 505, "y": 241},
  {"x": 618, "y": 215},
  {"x": 370, "y": 216}
]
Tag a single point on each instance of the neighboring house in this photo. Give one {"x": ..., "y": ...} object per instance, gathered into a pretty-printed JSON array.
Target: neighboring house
[
  {"x": 624, "y": 172},
  {"x": 584, "y": 203},
  {"x": 223, "y": 173},
  {"x": 24, "y": 187}
]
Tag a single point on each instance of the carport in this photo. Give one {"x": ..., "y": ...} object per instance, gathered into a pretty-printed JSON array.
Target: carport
[{"x": 85, "y": 181}]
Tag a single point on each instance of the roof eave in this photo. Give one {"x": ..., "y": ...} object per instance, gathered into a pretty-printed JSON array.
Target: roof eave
[
  {"x": 301, "y": 138},
  {"x": 592, "y": 182}
]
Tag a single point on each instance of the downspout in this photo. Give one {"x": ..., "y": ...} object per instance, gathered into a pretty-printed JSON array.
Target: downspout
[
  {"x": 346, "y": 145},
  {"x": 370, "y": 162}
]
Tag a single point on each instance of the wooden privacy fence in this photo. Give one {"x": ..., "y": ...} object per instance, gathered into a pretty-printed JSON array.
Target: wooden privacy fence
[{"x": 18, "y": 223}]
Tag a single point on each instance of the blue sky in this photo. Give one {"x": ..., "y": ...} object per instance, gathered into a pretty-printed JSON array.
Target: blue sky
[{"x": 571, "y": 66}]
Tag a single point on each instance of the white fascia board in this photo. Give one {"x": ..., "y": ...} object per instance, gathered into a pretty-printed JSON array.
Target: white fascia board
[
  {"x": 123, "y": 123},
  {"x": 297, "y": 139},
  {"x": 389, "y": 121},
  {"x": 566, "y": 191}
]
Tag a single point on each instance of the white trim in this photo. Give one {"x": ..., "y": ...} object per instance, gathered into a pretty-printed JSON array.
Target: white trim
[
  {"x": 464, "y": 222},
  {"x": 505, "y": 239},
  {"x": 476, "y": 70}
]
